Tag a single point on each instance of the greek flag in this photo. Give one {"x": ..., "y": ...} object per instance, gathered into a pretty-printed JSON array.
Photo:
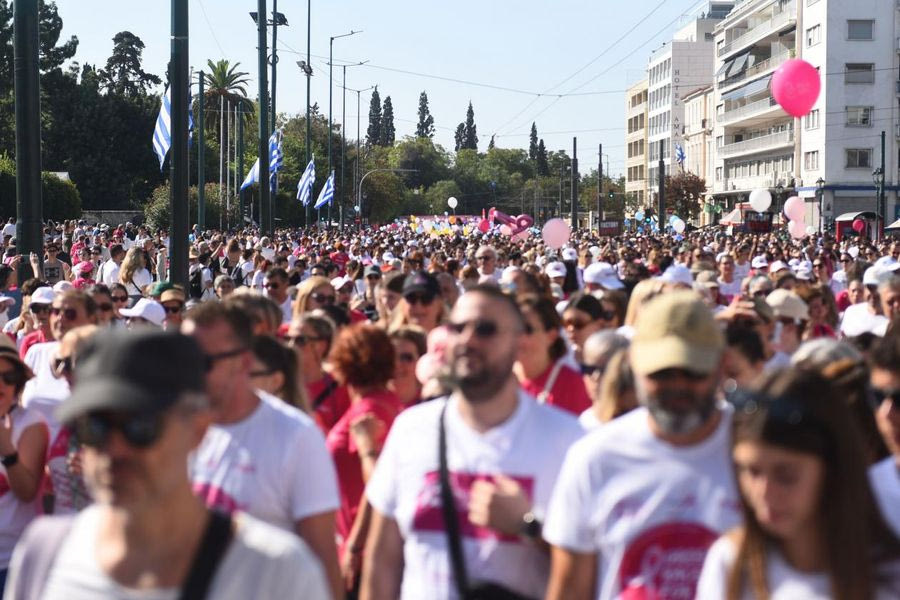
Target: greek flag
[
  {"x": 679, "y": 154},
  {"x": 162, "y": 133},
  {"x": 327, "y": 193},
  {"x": 305, "y": 186},
  {"x": 275, "y": 162}
]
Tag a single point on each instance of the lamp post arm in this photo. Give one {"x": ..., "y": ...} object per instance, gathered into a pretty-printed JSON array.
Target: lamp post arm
[{"x": 363, "y": 178}]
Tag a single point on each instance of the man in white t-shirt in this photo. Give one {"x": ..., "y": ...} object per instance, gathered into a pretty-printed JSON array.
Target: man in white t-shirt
[
  {"x": 885, "y": 393},
  {"x": 260, "y": 456},
  {"x": 109, "y": 273},
  {"x": 276, "y": 288},
  {"x": 503, "y": 453},
  {"x": 729, "y": 283},
  {"x": 486, "y": 261},
  {"x": 140, "y": 409},
  {"x": 640, "y": 500}
]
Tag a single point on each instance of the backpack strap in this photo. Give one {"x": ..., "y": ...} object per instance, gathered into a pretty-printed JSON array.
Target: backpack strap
[
  {"x": 449, "y": 513},
  {"x": 216, "y": 540}
]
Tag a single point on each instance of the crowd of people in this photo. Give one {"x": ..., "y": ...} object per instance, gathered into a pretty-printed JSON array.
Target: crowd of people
[{"x": 383, "y": 414}]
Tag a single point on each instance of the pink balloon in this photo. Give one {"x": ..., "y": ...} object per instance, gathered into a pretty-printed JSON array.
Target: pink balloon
[
  {"x": 796, "y": 86},
  {"x": 523, "y": 222},
  {"x": 858, "y": 225},
  {"x": 522, "y": 235},
  {"x": 506, "y": 230},
  {"x": 797, "y": 229},
  {"x": 484, "y": 226},
  {"x": 556, "y": 233},
  {"x": 794, "y": 208}
]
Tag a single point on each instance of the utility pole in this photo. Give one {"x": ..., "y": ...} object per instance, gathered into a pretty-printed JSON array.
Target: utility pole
[
  {"x": 274, "y": 56},
  {"x": 599, "y": 185},
  {"x": 180, "y": 163},
  {"x": 661, "y": 196},
  {"x": 201, "y": 153},
  {"x": 265, "y": 208},
  {"x": 562, "y": 173},
  {"x": 574, "y": 183},
  {"x": 308, "y": 72},
  {"x": 29, "y": 205},
  {"x": 882, "y": 208},
  {"x": 240, "y": 159}
]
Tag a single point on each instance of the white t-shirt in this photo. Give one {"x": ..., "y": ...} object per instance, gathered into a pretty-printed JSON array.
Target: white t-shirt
[
  {"x": 139, "y": 281},
  {"x": 784, "y": 581},
  {"x": 884, "y": 477},
  {"x": 273, "y": 465},
  {"x": 261, "y": 562},
  {"x": 528, "y": 447},
  {"x": 15, "y": 515},
  {"x": 588, "y": 419},
  {"x": 730, "y": 289},
  {"x": 110, "y": 273},
  {"x": 44, "y": 391},
  {"x": 741, "y": 270},
  {"x": 649, "y": 510}
]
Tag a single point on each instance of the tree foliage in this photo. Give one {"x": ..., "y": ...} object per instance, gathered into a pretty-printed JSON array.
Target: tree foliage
[
  {"x": 533, "y": 142},
  {"x": 124, "y": 74},
  {"x": 543, "y": 165},
  {"x": 684, "y": 193},
  {"x": 373, "y": 132},
  {"x": 425, "y": 126},
  {"x": 470, "y": 141},
  {"x": 388, "y": 133}
]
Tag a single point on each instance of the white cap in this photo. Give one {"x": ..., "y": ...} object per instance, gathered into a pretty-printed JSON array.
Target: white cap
[
  {"x": 858, "y": 319},
  {"x": 43, "y": 295},
  {"x": 508, "y": 273},
  {"x": 555, "y": 269},
  {"x": 604, "y": 275},
  {"x": 759, "y": 262},
  {"x": 6, "y": 300},
  {"x": 804, "y": 274},
  {"x": 679, "y": 275},
  {"x": 777, "y": 266},
  {"x": 887, "y": 264},
  {"x": 787, "y": 304},
  {"x": 147, "y": 309},
  {"x": 387, "y": 257},
  {"x": 339, "y": 282},
  {"x": 874, "y": 276},
  {"x": 569, "y": 254},
  {"x": 794, "y": 263}
]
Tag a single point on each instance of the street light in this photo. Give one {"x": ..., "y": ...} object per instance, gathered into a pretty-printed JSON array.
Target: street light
[
  {"x": 357, "y": 165},
  {"x": 307, "y": 70},
  {"x": 359, "y": 190},
  {"x": 344, "y": 135},
  {"x": 878, "y": 178},
  {"x": 330, "y": 81},
  {"x": 278, "y": 20},
  {"x": 820, "y": 194}
]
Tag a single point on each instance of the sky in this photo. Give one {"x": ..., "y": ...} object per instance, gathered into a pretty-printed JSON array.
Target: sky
[{"x": 512, "y": 60}]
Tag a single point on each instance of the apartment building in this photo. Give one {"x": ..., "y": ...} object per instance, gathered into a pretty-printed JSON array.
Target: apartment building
[
  {"x": 698, "y": 141},
  {"x": 636, "y": 142},
  {"x": 837, "y": 146}
]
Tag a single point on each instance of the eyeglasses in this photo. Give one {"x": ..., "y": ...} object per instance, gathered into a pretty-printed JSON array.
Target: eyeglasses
[
  {"x": 591, "y": 370},
  {"x": 877, "y": 397},
  {"x": 173, "y": 310},
  {"x": 12, "y": 377},
  {"x": 482, "y": 328},
  {"x": 484, "y": 258},
  {"x": 70, "y": 314},
  {"x": 119, "y": 299},
  {"x": 322, "y": 298},
  {"x": 140, "y": 430},
  {"x": 406, "y": 357},
  {"x": 674, "y": 373},
  {"x": 301, "y": 340},
  {"x": 105, "y": 307},
  {"x": 62, "y": 365},
  {"x": 39, "y": 308},
  {"x": 423, "y": 299},
  {"x": 761, "y": 293},
  {"x": 212, "y": 359}
]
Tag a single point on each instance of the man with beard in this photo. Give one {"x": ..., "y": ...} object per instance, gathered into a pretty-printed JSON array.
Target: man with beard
[
  {"x": 502, "y": 453},
  {"x": 640, "y": 501}
]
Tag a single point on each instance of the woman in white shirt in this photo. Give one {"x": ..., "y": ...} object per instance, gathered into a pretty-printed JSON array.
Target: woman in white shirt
[
  {"x": 133, "y": 273},
  {"x": 811, "y": 527}
]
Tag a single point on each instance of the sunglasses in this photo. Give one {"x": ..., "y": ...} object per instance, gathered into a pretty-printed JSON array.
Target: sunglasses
[
  {"x": 105, "y": 307},
  {"x": 322, "y": 298},
  {"x": 485, "y": 258},
  {"x": 591, "y": 370},
  {"x": 669, "y": 374},
  {"x": 62, "y": 365},
  {"x": 406, "y": 357},
  {"x": 70, "y": 314},
  {"x": 482, "y": 328},
  {"x": 878, "y": 396},
  {"x": 173, "y": 310},
  {"x": 39, "y": 308},
  {"x": 272, "y": 286},
  {"x": 140, "y": 430},
  {"x": 423, "y": 299},
  {"x": 119, "y": 299},
  {"x": 13, "y": 377},
  {"x": 301, "y": 340},
  {"x": 212, "y": 359}
]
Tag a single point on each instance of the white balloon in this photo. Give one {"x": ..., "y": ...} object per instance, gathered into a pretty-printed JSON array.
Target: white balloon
[
  {"x": 678, "y": 226},
  {"x": 810, "y": 230},
  {"x": 760, "y": 200},
  {"x": 452, "y": 202}
]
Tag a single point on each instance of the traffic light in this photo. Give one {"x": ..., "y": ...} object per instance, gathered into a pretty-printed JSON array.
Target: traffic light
[
  {"x": 648, "y": 216},
  {"x": 611, "y": 195}
]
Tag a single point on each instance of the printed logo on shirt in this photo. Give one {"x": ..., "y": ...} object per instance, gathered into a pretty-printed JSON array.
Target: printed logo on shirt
[
  {"x": 428, "y": 515},
  {"x": 665, "y": 562},
  {"x": 216, "y": 498},
  {"x": 4, "y": 484}
]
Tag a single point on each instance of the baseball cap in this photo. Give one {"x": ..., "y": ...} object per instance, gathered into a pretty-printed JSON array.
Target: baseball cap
[
  {"x": 787, "y": 304},
  {"x": 569, "y": 254},
  {"x": 172, "y": 294},
  {"x": 604, "y": 275},
  {"x": 555, "y": 269},
  {"x": 858, "y": 320},
  {"x": 84, "y": 267},
  {"x": 423, "y": 282},
  {"x": 133, "y": 371},
  {"x": 372, "y": 270},
  {"x": 678, "y": 275},
  {"x": 676, "y": 330},
  {"x": 147, "y": 309},
  {"x": 708, "y": 279},
  {"x": 872, "y": 276},
  {"x": 43, "y": 295},
  {"x": 339, "y": 282},
  {"x": 776, "y": 266},
  {"x": 759, "y": 262}
]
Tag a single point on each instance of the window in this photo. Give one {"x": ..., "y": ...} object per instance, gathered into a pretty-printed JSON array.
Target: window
[
  {"x": 813, "y": 35},
  {"x": 811, "y": 160},
  {"x": 859, "y": 158},
  {"x": 859, "y": 73},
  {"x": 718, "y": 173},
  {"x": 858, "y": 29},
  {"x": 859, "y": 116},
  {"x": 811, "y": 120}
]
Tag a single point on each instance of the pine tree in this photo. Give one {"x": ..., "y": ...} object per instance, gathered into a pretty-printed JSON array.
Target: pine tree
[
  {"x": 543, "y": 165},
  {"x": 533, "y": 142},
  {"x": 388, "y": 133},
  {"x": 471, "y": 133},
  {"x": 459, "y": 137},
  {"x": 425, "y": 127},
  {"x": 491, "y": 143},
  {"x": 373, "y": 133}
]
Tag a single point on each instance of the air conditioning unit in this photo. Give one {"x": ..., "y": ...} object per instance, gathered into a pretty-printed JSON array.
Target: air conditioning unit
[{"x": 897, "y": 130}]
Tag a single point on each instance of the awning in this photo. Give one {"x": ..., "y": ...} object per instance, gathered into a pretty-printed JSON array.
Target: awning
[
  {"x": 724, "y": 68},
  {"x": 850, "y": 216},
  {"x": 895, "y": 226},
  {"x": 739, "y": 65},
  {"x": 732, "y": 218},
  {"x": 754, "y": 87}
]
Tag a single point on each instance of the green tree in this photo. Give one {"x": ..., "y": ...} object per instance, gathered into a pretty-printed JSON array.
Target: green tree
[
  {"x": 124, "y": 74},
  {"x": 491, "y": 144},
  {"x": 436, "y": 196},
  {"x": 425, "y": 126},
  {"x": 533, "y": 142},
  {"x": 430, "y": 163},
  {"x": 684, "y": 193},
  {"x": 373, "y": 132},
  {"x": 471, "y": 131},
  {"x": 388, "y": 133},
  {"x": 543, "y": 165},
  {"x": 225, "y": 82},
  {"x": 459, "y": 137}
]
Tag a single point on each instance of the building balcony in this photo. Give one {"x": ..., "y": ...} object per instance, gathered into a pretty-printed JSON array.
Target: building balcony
[
  {"x": 779, "y": 19},
  {"x": 759, "y": 108},
  {"x": 745, "y": 184},
  {"x": 758, "y": 144},
  {"x": 760, "y": 68}
]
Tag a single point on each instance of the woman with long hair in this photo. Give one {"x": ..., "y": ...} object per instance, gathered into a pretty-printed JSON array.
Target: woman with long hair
[
  {"x": 584, "y": 315},
  {"x": 133, "y": 273},
  {"x": 275, "y": 371},
  {"x": 409, "y": 345},
  {"x": 811, "y": 526},
  {"x": 315, "y": 292},
  {"x": 310, "y": 337}
]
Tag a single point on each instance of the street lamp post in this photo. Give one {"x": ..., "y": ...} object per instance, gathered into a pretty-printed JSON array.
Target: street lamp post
[
  {"x": 344, "y": 135},
  {"x": 307, "y": 70},
  {"x": 330, "y": 81},
  {"x": 878, "y": 178},
  {"x": 359, "y": 190},
  {"x": 357, "y": 164},
  {"x": 820, "y": 194}
]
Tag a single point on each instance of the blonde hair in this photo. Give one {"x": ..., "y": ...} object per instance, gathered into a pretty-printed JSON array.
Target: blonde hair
[
  {"x": 305, "y": 290},
  {"x": 617, "y": 382},
  {"x": 131, "y": 264},
  {"x": 644, "y": 291}
]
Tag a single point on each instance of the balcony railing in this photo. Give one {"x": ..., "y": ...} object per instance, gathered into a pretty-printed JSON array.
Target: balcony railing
[
  {"x": 761, "y": 67},
  {"x": 780, "y": 18},
  {"x": 759, "y": 143},
  {"x": 748, "y": 109}
]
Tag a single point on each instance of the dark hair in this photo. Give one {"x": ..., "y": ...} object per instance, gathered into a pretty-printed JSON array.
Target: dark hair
[
  {"x": 277, "y": 273},
  {"x": 885, "y": 353},
  {"x": 97, "y": 288},
  {"x": 545, "y": 310},
  {"x": 90, "y": 307},
  {"x": 257, "y": 309},
  {"x": 745, "y": 340},
  {"x": 362, "y": 356},
  {"x": 208, "y": 314},
  {"x": 31, "y": 285},
  {"x": 5, "y": 272},
  {"x": 278, "y": 357},
  {"x": 586, "y": 303},
  {"x": 493, "y": 292},
  {"x": 412, "y": 334},
  {"x": 799, "y": 410}
]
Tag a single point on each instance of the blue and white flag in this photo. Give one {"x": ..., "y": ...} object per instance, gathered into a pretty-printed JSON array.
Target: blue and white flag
[
  {"x": 679, "y": 155},
  {"x": 327, "y": 193},
  {"x": 252, "y": 176},
  {"x": 276, "y": 160},
  {"x": 305, "y": 186},
  {"x": 162, "y": 133}
]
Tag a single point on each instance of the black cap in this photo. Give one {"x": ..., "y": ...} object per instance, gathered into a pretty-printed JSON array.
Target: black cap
[
  {"x": 134, "y": 371},
  {"x": 422, "y": 282},
  {"x": 372, "y": 270}
]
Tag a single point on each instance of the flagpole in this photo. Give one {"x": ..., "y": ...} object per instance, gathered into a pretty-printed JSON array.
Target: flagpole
[
  {"x": 178, "y": 78},
  {"x": 265, "y": 207},
  {"x": 201, "y": 153},
  {"x": 240, "y": 161}
]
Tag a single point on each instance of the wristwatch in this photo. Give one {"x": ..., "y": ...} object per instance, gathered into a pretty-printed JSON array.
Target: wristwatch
[
  {"x": 531, "y": 527},
  {"x": 10, "y": 459}
]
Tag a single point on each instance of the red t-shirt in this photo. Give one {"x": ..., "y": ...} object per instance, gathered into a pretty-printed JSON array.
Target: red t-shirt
[
  {"x": 332, "y": 407},
  {"x": 385, "y": 406},
  {"x": 567, "y": 393}
]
